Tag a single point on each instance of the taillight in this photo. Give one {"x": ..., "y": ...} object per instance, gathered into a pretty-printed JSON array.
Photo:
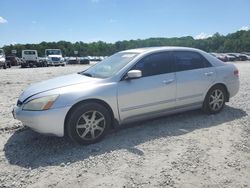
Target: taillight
[{"x": 236, "y": 73}]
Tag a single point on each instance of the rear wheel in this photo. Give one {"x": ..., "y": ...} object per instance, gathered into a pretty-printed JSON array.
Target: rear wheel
[
  {"x": 215, "y": 100},
  {"x": 88, "y": 123}
]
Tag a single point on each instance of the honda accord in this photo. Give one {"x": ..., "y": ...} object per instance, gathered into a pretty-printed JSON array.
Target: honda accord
[{"x": 128, "y": 86}]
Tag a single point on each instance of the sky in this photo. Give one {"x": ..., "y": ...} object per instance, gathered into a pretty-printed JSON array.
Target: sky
[{"x": 34, "y": 21}]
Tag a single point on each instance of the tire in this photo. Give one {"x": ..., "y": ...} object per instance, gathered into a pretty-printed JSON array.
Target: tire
[
  {"x": 4, "y": 66},
  {"x": 215, "y": 100},
  {"x": 87, "y": 120}
]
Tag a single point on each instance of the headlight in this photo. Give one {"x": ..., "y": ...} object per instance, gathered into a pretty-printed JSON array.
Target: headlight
[{"x": 43, "y": 103}]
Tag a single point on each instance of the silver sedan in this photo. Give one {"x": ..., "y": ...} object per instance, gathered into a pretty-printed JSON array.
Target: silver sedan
[{"x": 128, "y": 86}]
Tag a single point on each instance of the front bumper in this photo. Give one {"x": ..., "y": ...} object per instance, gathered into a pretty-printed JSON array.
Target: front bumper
[
  {"x": 55, "y": 63},
  {"x": 50, "y": 122}
]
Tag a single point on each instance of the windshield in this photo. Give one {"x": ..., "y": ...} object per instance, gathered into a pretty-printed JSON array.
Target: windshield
[
  {"x": 110, "y": 66},
  {"x": 53, "y": 52}
]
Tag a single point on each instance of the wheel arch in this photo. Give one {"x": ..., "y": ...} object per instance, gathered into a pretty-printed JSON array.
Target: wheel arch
[
  {"x": 99, "y": 101},
  {"x": 221, "y": 85}
]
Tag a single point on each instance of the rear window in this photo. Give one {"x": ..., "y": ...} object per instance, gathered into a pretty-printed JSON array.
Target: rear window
[{"x": 29, "y": 52}]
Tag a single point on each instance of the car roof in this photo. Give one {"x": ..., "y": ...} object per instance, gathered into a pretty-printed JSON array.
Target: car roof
[
  {"x": 144, "y": 51},
  {"x": 162, "y": 48}
]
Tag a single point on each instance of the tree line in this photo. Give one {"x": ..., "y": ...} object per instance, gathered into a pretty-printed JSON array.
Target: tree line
[{"x": 234, "y": 42}]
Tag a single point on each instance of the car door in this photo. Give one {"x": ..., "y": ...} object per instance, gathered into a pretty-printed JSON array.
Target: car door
[
  {"x": 194, "y": 74},
  {"x": 153, "y": 92}
]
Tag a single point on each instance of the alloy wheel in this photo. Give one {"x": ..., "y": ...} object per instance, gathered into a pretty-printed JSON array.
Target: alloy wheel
[
  {"x": 90, "y": 125},
  {"x": 216, "y": 100}
]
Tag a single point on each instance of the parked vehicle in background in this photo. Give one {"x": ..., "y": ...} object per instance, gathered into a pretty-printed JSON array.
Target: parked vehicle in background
[
  {"x": 230, "y": 57},
  {"x": 13, "y": 60},
  {"x": 54, "y": 57},
  {"x": 73, "y": 60},
  {"x": 42, "y": 61},
  {"x": 2, "y": 59},
  {"x": 98, "y": 58},
  {"x": 221, "y": 57},
  {"x": 101, "y": 58},
  {"x": 84, "y": 60},
  {"x": 247, "y": 54},
  {"x": 243, "y": 57},
  {"x": 238, "y": 56},
  {"x": 128, "y": 86},
  {"x": 90, "y": 58},
  {"x": 66, "y": 59},
  {"x": 30, "y": 58},
  {"x": 95, "y": 58},
  {"x": 19, "y": 61}
]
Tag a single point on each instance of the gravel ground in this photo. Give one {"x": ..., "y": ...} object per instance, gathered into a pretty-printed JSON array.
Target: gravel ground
[{"x": 184, "y": 150}]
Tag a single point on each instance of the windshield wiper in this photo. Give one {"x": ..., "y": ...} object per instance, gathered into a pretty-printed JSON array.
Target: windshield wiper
[{"x": 86, "y": 74}]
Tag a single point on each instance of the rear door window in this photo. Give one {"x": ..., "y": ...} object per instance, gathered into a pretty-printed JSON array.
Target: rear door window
[{"x": 186, "y": 60}]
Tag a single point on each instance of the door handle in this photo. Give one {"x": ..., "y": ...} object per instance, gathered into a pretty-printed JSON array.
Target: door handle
[
  {"x": 168, "y": 81},
  {"x": 209, "y": 73}
]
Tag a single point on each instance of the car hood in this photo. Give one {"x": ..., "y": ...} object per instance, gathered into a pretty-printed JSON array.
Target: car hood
[{"x": 55, "y": 83}]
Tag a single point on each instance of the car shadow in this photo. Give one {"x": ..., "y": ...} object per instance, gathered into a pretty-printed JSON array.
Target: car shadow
[{"x": 28, "y": 149}]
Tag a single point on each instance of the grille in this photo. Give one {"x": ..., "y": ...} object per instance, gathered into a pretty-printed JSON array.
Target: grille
[{"x": 55, "y": 59}]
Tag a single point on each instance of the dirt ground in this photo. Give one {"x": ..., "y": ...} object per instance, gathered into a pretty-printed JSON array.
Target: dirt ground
[{"x": 190, "y": 149}]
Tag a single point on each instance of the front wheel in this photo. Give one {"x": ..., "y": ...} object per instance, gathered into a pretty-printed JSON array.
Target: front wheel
[
  {"x": 215, "y": 100},
  {"x": 88, "y": 123}
]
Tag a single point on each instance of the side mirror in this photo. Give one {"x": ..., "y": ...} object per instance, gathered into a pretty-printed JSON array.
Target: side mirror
[{"x": 134, "y": 74}]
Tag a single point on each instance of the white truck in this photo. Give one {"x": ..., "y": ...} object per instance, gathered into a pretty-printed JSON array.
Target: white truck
[
  {"x": 54, "y": 57},
  {"x": 2, "y": 59},
  {"x": 30, "y": 58}
]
